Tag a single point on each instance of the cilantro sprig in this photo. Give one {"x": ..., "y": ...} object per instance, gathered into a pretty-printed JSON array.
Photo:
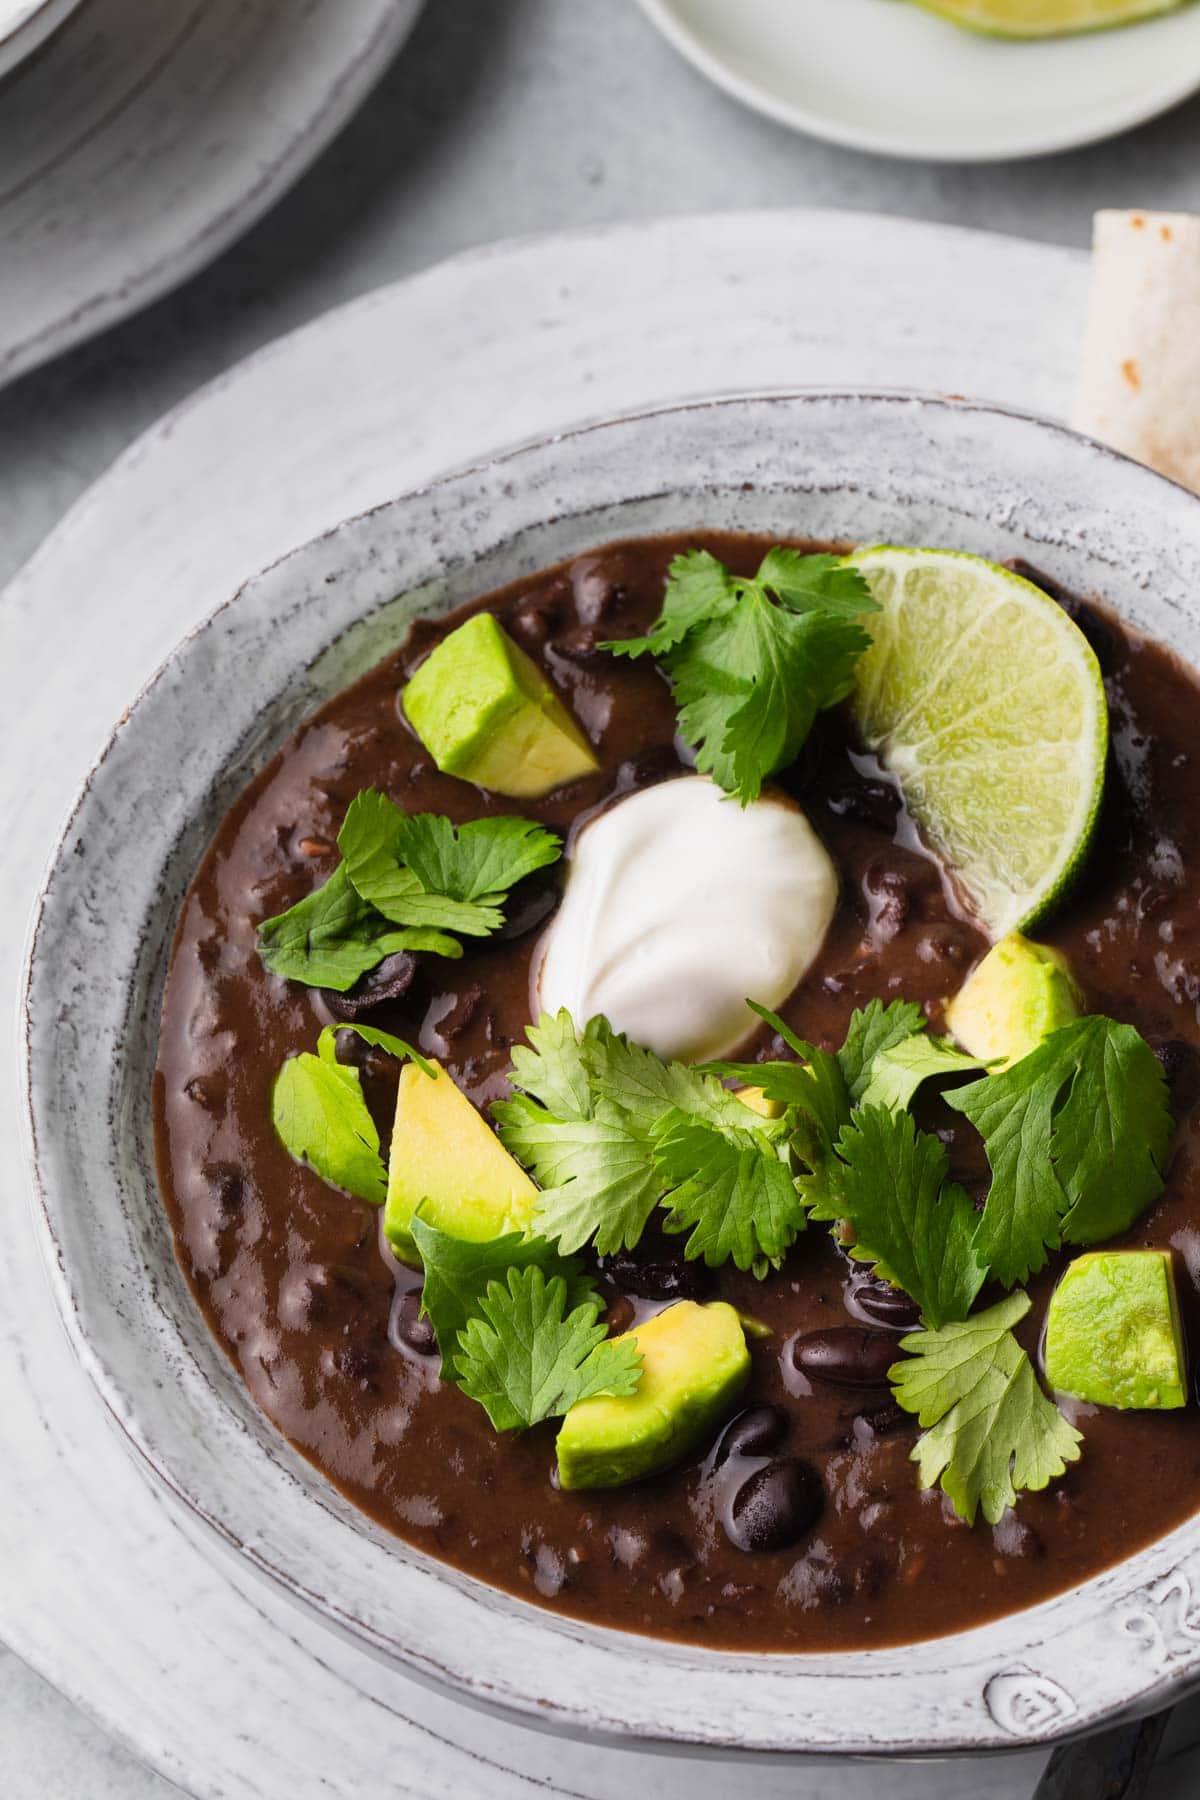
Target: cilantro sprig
[
  {"x": 322, "y": 1118},
  {"x": 609, "y": 1131},
  {"x": 1077, "y": 1135},
  {"x": 753, "y": 659},
  {"x": 990, "y": 1430},
  {"x": 406, "y": 882},
  {"x": 525, "y": 1357}
]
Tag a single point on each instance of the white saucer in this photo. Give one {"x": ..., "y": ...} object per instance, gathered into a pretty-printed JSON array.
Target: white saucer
[
  {"x": 26, "y": 24},
  {"x": 888, "y": 77},
  {"x": 148, "y": 134}
]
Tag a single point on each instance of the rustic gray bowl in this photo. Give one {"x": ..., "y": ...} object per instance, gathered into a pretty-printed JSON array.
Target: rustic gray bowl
[{"x": 865, "y": 467}]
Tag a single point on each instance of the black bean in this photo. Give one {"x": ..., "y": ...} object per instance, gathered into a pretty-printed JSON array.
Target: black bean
[
  {"x": 360, "y": 1362},
  {"x": 228, "y": 1188},
  {"x": 582, "y": 646},
  {"x": 875, "y": 804},
  {"x": 1180, "y": 1064},
  {"x": 619, "y": 1316},
  {"x": 845, "y": 1357},
  {"x": 756, "y": 1432},
  {"x": 667, "y": 1278},
  {"x": 529, "y": 905},
  {"x": 466, "y": 1004},
  {"x": 884, "y": 1417},
  {"x": 886, "y": 1306},
  {"x": 412, "y": 1328},
  {"x": 538, "y": 616},
  {"x": 389, "y": 980},
  {"x": 775, "y": 1506},
  {"x": 649, "y": 767}
]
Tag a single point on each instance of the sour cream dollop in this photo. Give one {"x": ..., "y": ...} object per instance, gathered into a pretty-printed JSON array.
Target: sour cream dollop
[{"x": 679, "y": 906}]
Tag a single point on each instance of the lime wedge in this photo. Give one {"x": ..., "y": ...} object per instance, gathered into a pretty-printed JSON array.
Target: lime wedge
[
  {"x": 985, "y": 702},
  {"x": 1046, "y": 18}
]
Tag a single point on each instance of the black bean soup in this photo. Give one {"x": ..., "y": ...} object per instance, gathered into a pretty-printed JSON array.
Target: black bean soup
[{"x": 290, "y": 1273}]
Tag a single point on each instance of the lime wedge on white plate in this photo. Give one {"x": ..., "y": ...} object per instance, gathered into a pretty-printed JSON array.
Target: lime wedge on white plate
[
  {"x": 1046, "y": 18},
  {"x": 986, "y": 704}
]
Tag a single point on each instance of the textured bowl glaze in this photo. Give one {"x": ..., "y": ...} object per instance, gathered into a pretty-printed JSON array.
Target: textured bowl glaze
[{"x": 866, "y": 467}]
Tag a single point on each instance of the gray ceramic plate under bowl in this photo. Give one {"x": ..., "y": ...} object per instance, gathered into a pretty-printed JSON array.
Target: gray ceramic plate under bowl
[{"x": 864, "y": 467}]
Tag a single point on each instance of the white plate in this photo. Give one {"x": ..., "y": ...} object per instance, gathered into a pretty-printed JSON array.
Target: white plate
[
  {"x": 152, "y": 1639},
  {"x": 149, "y": 133},
  {"x": 885, "y": 76}
]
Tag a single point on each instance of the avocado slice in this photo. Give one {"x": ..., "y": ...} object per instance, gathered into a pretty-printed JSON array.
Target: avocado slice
[
  {"x": 1112, "y": 1331},
  {"x": 445, "y": 1156},
  {"x": 1012, "y": 1000},
  {"x": 694, "y": 1365},
  {"x": 757, "y": 1101},
  {"x": 486, "y": 713}
]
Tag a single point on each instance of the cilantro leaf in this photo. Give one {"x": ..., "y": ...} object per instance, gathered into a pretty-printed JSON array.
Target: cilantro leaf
[
  {"x": 918, "y": 1229},
  {"x": 479, "y": 861},
  {"x": 993, "y": 1431},
  {"x": 821, "y": 582},
  {"x": 596, "y": 1172},
  {"x": 586, "y": 1126},
  {"x": 458, "y": 1273},
  {"x": 897, "y": 1072},
  {"x": 749, "y": 685},
  {"x": 873, "y": 1029},
  {"x": 372, "y": 841},
  {"x": 524, "y": 1358},
  {"x": 814, "y": 1084},
  {"x": 729, "y": 1189},
  {"x": 698, "y": 588},
  {"x": 321, "y": 1117},
  {"x": 750, "y": 674},
  {"x": 333, "y": 936},
  {"x": 382, "y": 1040},
  {"x": 1077, "y": 1135}
]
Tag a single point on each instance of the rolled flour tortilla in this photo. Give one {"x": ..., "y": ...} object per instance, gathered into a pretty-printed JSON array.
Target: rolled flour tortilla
[{"x": 1139, "y": 386}]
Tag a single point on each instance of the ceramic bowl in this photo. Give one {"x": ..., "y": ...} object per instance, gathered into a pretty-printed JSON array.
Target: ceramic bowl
[
  {"x": 864, "y": 467},
  {"x": 24, "y": 24}
]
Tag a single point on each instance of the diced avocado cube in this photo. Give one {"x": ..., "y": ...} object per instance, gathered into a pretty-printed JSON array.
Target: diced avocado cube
[
  {"x": 694, "y": 1365},
  {"x": 1015, "y": 998},
  {"x": 757, "y": 1101},
  {"x": 445, "y": 1156},
  {"x": 1112, "y": 1331},
  {"x": 485, "y": 712}
]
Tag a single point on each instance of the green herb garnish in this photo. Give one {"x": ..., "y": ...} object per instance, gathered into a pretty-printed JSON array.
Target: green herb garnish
[
  {"x": 588, "y": 1124},
  {"x": 318, "y": 1110},
  {"x": 990, "y": 1428},
  {"x": 404, "y": 883},
  {"x": 754, "y": 659},
  {"x": 524, "y": 1357},
  {"x": 889, "y": 1181},
  {"x": 897, "y": 1072},
  {"x": 459, "y": 1271},
  {"x": 1077, "y": 1134}
]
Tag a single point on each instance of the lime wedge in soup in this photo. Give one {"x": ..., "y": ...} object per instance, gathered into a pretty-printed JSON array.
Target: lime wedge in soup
[{"x": 986, "y": 703}]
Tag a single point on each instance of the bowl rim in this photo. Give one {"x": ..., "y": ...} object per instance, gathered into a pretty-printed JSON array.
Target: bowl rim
[{"x": 1180, "y": 1670}]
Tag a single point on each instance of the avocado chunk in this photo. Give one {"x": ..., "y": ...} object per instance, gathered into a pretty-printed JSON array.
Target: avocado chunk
[
  {"x": 486, "y": 713},
  {"x": 1014, "y": 999},
  {"x": 757, "y": 1101},
  {"x": 1112, "y": 1331},
  {"x": 694, "y": 1365},
  {"x": 445, "y": 1156}
]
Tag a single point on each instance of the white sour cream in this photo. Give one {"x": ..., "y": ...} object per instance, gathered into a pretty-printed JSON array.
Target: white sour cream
[{"x": 679, "y": 906}]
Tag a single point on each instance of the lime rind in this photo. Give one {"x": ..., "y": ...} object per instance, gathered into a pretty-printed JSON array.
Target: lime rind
[
  {"x": 986, "y": 703},
  {"x": 1039, "y": 19}
]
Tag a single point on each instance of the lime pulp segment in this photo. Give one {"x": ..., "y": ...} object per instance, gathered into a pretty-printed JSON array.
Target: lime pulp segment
[{"x": 985, "y": 702}]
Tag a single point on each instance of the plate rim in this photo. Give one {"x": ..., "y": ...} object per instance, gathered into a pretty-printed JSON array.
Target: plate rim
[{"x": 1168, "y": 1683}]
